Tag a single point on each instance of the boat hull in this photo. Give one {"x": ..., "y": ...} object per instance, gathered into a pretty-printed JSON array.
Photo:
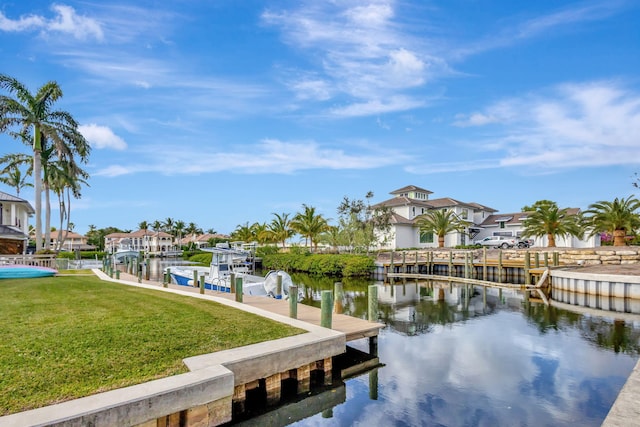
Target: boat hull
[{"x": 25, "y": 272}]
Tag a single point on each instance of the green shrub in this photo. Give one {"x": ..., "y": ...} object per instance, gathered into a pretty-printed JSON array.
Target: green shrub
[
  {"x": 266, "y": 250},
  {"x": 321, "y": 264}
]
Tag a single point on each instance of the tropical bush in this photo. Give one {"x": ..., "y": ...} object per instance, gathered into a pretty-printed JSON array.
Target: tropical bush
[
  {"x": 321, "y": 264},
  {"x": 83, "y": 255}
]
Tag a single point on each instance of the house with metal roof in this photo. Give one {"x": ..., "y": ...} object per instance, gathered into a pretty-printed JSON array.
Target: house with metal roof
[
  {"x": 14, "y": 224},
  {"x": 410, "y": 202}
]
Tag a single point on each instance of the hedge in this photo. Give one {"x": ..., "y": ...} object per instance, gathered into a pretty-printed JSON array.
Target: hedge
[{"x": 321, "y": 264}]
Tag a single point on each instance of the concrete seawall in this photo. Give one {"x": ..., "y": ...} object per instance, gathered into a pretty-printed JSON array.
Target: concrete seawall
[{"x": 205, "y": 395}]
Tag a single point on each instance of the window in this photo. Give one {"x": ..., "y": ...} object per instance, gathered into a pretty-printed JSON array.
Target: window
[
  {"x": 426, "y": 237},
  {"x": 501, "y": 224},
  {"x": 465, "y": 214}
]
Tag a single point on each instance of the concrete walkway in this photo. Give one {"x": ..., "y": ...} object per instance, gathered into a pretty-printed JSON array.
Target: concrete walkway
[{"x": 625, "y": 411}]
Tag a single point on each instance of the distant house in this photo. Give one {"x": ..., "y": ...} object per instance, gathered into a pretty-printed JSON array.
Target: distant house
[
  {"x": 153, "y": 242},
  {"x": 14, "y": 224},
  {"x": 72, "y": 241},
  {"x": 201, "y": 240},
  {"x": 410, "y": 202},
  {"x": 513, "y": 224}
]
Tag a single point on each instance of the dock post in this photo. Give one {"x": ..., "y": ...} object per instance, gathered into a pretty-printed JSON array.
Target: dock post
[
  {"x": 546, "y": 259},
  {"x": 293, "y": 301},
  {"x": 140, "y": 276},
  {"x": 168, "y": 278},
  {"x": 527, "y": 267},
  {"x": 450, "y": 262},
  {"x": 195, "y": 278},
  {"x": 147, "y": 273},
  {"x": 556, "y": 258},
  {"x": 339, "y": 296},
  {"x": 118, "y": 274},
  {"x": 404, "y": 261},
  {"x": 391, "y": 267},
  {"x": 278, "y": 286},
  {"x": 372, "y": 310},
  {"x": 430, "y": 257},
  {"x": 536, "y": 260},
  {"x": 484, "y": 263},
  {"x": 499, "y": 265},
  {"x": 326, "y": 307},
  {"x": 239, "y": 291},
  {"x": 373, "y": 384},
  {"x": 201, "y": 284},
  {"x": 417, "y": 267},
  {"x": 373, "y": 346},
  {"x": 232, "y": 283},
  {"x": 466, "y": 265}
]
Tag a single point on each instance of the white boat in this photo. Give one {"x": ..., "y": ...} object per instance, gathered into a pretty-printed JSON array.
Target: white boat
[
  {"x": 125, "y": 251},
  {"x": 217, "y": 277}
]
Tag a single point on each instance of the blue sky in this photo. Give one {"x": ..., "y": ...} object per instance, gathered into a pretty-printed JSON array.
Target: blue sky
[{"x": 225, "y": 112}]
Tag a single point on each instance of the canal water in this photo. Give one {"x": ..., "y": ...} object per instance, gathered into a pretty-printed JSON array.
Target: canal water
[{"x": 463, "y": 356}]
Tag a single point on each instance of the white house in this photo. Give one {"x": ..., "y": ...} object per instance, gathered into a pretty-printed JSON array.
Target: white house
[
  {"x": 154, "y": 242},
  {"x": 512, "y": 225},
  {"x": 14, "y": 224},
  {"x": 410, "y": 202}
]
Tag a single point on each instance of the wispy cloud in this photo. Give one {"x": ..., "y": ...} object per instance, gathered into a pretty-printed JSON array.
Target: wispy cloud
[
  {"x": 64, "y": 21},
  {"x": 572, "y": 125},
  {"x": 362, "y": 53},
  {"x": 545, "y": 25},
  {"x": 269, "y": 156}
]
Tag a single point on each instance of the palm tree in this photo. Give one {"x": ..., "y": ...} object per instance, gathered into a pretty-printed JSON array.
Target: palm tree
[
  {"x": 309, "y": 224},
  {"x": 243, "y": 232},
  {"x": 179, "y": 227},
  {"x": 63, "y": 183},
  {"x": 619, "y": 218},
  {"x": 34, "y": 115},
  {"x": 157, "y": 226},
  {"x": 551, "y": 221},
  {"x": 144, "y": 225},
  {"x": 168, "y": 225},
  {"x": 280, "y": 228},
  {"x": 12, "y": 174},
  {"x": 441, "y": 223}
]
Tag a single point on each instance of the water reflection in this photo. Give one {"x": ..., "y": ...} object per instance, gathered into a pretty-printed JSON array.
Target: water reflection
[{"x": 465, "y": 356}]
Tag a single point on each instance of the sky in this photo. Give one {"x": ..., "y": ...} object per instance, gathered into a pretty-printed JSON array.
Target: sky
[{"x": 227, "y": 112}]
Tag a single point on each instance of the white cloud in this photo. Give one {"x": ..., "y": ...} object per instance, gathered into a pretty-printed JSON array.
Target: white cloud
[
  {"x": 65, "y": 21},
  {"x": 364, "y": 55},
  {"x": 102, "y": 137},
  {"x": 269, "y": 156},
  {"x": 589, "y": 124},
  {"x": 23, "y": 24}
]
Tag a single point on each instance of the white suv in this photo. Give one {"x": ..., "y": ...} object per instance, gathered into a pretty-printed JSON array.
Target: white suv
[{"x": 497, "y": 242}]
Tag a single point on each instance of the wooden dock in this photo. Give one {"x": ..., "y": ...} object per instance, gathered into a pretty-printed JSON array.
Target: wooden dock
[{"x": 352, "y": 327}]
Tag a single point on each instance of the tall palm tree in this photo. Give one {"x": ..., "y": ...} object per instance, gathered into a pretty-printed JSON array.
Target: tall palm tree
[
  {"x": 34, "y": 116},
  {"x": 280, "y": 228},
  {"x": 619, "y": 218},
  {"x": 12, "y": 172},
  {"x": 309, "y": 224},
  {"x": 260, "y": 233},
  {"x": 551, "y": 221},
  {"x": 64, "y": 183},
  {"x": 441, "y": 223},
  {"x": 168, "y": 225},
  {"x": 157, "y": 226}
]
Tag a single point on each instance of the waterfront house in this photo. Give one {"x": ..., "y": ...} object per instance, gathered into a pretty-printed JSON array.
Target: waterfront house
[
  {"x": 513, "y": 224},
  {"x": 72, "y": 241},
  {"x": 200, "y": 241},
  {"x": 14, "y": 224},
  {"x": 151, "y": 242},
  {"x": 408, "y": 203}
]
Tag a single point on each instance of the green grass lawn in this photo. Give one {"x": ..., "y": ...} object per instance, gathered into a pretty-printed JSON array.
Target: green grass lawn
[{"x": 66, "y": 337}]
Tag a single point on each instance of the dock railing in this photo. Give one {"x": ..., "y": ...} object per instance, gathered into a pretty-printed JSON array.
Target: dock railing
[{"x": 48, "y": 260}]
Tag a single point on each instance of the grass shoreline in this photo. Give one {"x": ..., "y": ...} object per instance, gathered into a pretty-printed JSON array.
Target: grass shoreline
[{"x": 73, "y": 336}]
